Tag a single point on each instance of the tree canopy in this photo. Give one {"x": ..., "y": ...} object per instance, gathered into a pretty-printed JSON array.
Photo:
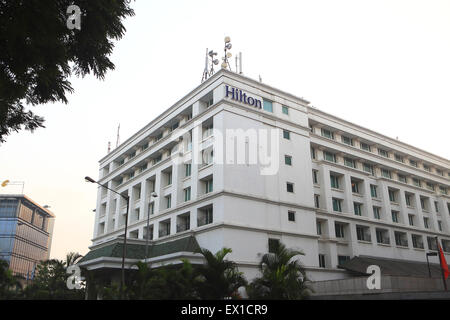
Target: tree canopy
[{"x": 39, "y": 53}]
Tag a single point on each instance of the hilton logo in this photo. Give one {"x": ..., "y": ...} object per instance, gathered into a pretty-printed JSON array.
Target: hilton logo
[{"x": 238, "y": 95}]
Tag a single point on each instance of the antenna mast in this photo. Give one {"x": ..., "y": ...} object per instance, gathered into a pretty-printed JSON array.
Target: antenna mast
[
  {"x": 208, "y": 73},
  {"x": 118, "y": 136}
]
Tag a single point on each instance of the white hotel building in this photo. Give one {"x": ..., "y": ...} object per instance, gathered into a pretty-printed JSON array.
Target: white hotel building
[{"x": 339, "y": 191}]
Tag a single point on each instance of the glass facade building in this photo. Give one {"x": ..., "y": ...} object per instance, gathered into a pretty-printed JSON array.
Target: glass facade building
[{"x": 26, "y": 231}]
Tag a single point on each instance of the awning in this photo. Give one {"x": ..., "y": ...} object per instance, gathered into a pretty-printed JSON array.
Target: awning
[
  {"x": 137, "y": 251},
  {"x": 392, "y": 267}
]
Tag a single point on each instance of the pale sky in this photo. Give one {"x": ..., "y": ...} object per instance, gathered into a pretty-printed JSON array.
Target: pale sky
[{"x": 384, "y": 65}]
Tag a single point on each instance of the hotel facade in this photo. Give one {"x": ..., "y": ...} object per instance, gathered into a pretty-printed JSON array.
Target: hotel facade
[{"x": 239, "y": 164}]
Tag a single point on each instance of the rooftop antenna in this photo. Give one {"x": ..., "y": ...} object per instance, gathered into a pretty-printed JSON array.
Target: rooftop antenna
[
  {"x": 227, "y": 54},
  {"x": 238, "y": 61},
  {"x": 260, "y": 79},
  {"x": 109, "y": 146},
  {"x": 208, "y": 73},
  {"x": 118, "y": 136}
]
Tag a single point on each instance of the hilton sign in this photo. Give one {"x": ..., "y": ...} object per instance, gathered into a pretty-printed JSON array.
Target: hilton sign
[{"x": 239, "y": 95}]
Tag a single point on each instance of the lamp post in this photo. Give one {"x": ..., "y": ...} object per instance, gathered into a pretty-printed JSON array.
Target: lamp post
[
  {"x": 430, "y": 254},
  {"x": 124, "y": 250},
  {"x": 153, "y": 195}
]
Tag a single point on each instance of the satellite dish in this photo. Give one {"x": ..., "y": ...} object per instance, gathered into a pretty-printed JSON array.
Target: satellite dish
[
  {"x": 224, "y": 65},
  {"x": 229, "y": 54},
  {"x": 4, "y": 183},
  {"x": 227, "y": 39},
  {"x": 228, "y": 46}
]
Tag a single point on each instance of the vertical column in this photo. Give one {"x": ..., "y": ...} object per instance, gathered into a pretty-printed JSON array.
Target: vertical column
[
  {"x": 403, "y": 208},
  {"x": 368, "y": 205},
  {"x": 325, "y": 194},
  {"x": 418, "y": 210},
  {"x": 348, "y": 197},
  {"x": 144, "y": 201}
]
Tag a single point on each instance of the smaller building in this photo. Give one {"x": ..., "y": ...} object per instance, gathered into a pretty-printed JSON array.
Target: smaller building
[{"x": 26, "y": 230}]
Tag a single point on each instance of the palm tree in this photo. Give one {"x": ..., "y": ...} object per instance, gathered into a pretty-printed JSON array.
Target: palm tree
[
  {"x": 283, "y": 277},
  {"x": 218, "y": 278},
  {"x": 72, "y": 258}
]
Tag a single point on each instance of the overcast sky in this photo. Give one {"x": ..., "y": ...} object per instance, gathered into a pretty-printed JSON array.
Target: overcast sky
[{"x": 384, "y": 65}]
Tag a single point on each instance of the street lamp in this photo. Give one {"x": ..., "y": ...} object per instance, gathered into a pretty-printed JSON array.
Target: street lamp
[
  {"x": 430, "y": 254},
  {"x": 124, "y": 250},
  {"x": 153, "y": 195}
]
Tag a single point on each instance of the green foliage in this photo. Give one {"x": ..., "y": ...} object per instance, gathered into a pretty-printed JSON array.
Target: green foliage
[
  {"x": 218, "y": 278},
  {"x": 9, "y": 285},
  {"x": 50, "y": 283},
  {"x": 39, "y": 53},
  {"x": 283, "y": 277}
]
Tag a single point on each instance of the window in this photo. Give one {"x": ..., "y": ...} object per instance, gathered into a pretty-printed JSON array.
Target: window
[
  {"x": 416, "y": 182},
  {"x": 386, "y": 173},
  {"x": 315, "y": 179},
  {"x": 339, "y": 229},
  {"x": 408, "y": 199},
  {"x": 291, "y": 216},
  {"x": 355, "y": 186},
  {"x": 267, "y": 105},
  {"x": 169, "y": 178},
  {"x": 187, "y": 194},
  {"x": 392, "y": 195},
  {"x": 401, "y": 178},
  {"x": 436, "y": 207},
  {"x": 337, "y": 205},
  {"x": 288, "y": 160},
  {"x": 273, "y": 244},
  {"x": 316, "y": 201},
  {"x": 327, "y": 133},
  {"x": 319, "y": 227},
  {"x": 168, "y": 201},
  {"x": 349, "y": 162},
  {"x": 365, "y": 146},
  {"x": 187, "y": 169},
  {"x": 382, "y": 236},
  {"x": 342, "y": 259},
  {"x": 383, "y": 153},
  {"x": 401, "y": 239},
  {"x": 373, "y": 191},
  {"x": 285, "y": 110},
  {"x": 411, "y": 219},
  {"x": 431, "y": 243},
  {"x": 205, "y": 216},
  {"x": 347, "y": 140},
  {"x": 413, "y": 163},
  {"x": 426, "y": 168},
  {"x": 313, "y": 153},
  {"x": 440, "y": 172},
  {"x": 398, "y": 158},
  {"x": 430, "y": 186},
  {"x": 368, "y": 168},
  {"x": 289, "y": 187},
  {"x": 376, "y": 213},
  {"x": 423, "y": 204},
  {"x": 151, "y": 208},
  {"x": 321, "y": 261},
  {"x": 334, "y": 180},
  {"x": 394, "y": 216},
  {"x": 329, "y": 156},
  {"x": 209, "y": 185},
  {"x": 442, "y": 190},
  {"x": 286, "y": 135},
  {"x": 425, "y": 223},
  {"x": 440, "y": 225},
  {"x": 417, "y": 241},
  {"x": 357, "y": 208}
]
